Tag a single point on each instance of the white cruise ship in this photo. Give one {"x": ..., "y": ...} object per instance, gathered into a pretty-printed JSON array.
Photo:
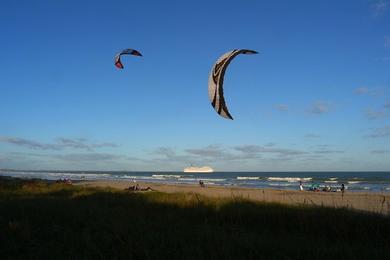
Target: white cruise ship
[{"x": 193, "y": 169}]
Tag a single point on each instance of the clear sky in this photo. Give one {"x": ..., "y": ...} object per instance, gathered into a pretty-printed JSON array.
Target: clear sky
[{"x": 317, "y": 97}]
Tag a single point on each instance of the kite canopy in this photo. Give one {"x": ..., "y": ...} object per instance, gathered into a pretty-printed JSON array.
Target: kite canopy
[
  {"x": 118, "y": 62},
  {"x": 216, "y": 81}
]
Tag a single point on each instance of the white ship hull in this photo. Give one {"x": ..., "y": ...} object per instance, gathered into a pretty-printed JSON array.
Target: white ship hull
[{"x": 204, "y": 169}]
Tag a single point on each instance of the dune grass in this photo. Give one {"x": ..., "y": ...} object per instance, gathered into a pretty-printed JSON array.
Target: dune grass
[{"x": 42, "y": 220}]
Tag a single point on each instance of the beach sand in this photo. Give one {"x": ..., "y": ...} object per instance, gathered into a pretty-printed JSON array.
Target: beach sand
[{"x": 371, "y": 202}]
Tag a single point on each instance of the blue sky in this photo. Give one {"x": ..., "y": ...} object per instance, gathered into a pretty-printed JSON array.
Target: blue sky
[{"x": 317, "y": 97}]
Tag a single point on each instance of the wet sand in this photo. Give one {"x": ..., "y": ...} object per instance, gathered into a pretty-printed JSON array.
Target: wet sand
[{"x": 372, "y": 202}]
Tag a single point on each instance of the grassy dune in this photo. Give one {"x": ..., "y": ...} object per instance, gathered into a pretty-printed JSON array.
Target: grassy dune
[{"x": 41, "y": 220}]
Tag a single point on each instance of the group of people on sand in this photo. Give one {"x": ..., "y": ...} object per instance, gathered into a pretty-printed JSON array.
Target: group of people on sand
[
  {"x": 138, "y": 188},
  {"x": 64, "y": 180},
  {"x": 326, "y": 188}
]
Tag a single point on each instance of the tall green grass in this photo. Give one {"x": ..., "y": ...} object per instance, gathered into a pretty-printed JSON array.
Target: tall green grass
[{"x": 40, "y": 220}]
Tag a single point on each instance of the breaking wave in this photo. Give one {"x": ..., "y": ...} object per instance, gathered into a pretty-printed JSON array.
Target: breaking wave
[
  {"x": 289, "y": 179},
  {"x": 247, "y": 178},
  {"x": 331, "y": 181},
  {"x": 354, "y": 182},
  {"x": 166, "y": 176}
]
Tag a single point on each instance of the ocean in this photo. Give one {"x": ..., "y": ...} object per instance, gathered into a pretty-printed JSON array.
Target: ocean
[{"x": 353, "y": 181}]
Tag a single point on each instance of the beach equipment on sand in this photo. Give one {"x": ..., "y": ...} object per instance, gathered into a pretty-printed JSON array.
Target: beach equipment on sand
[
  {"x": 117, "y": 58},
  {"x": 314, "y": 187},
  {"x": 216, "y": 81}
]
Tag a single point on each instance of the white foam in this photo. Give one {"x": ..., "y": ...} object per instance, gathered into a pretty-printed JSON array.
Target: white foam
[
  {"x": 139, "y": 177},
  {"x": 331, "y": 181},
  {"x": 56, "y": 175},
  {"x": 280, "y": 184},
  {"x": 130, "y": 177},
  {"x": 188, "y": 179},
  {"x": 354, "y": 182},
  {"x": 18, "y": 173},
  {"x": 289, "y": 179},
  {"x": 169, "y": 176},
  {"x": 203, "y": 179},
  {"x": 247, "y": 178},
  {"x": 78, "y": 175},
  {"x": 207, "y": 179}
]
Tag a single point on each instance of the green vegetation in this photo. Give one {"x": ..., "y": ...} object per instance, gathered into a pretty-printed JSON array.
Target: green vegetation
[{"x": 42, "y": 220}]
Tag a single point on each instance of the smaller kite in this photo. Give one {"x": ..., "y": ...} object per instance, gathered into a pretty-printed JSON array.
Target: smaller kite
[{"x": 118, "y": 62}]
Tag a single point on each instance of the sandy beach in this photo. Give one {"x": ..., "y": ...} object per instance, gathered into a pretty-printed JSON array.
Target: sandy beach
[{"x": 371, "y": 202}]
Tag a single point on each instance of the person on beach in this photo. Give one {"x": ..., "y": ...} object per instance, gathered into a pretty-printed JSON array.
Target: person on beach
[
  {"x": 138, "y": 188},
  {"x": 342, "y": 188},
  {"x": 130, "y": 188},
  {"x": 300, "y": 186},
  {"x": 201, "y": 183}
]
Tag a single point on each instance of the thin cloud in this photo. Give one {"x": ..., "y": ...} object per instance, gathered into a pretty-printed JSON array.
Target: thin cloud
[
  {"x": 380, "y": 132},
  {"x": 90, "y": 157},
  {"x": 167, "y": 151},
  {"x": 315, "y": 157},
  {"x": 328, "y": 151},
  {"x": 168, "y": 154},
  {"x": 375, "y": 114},
  {"x": 215, "y": 153},
  {"x": 249, "y": 148},
  {"x": 28, "y": 143},
  {"x": 75, "y": 157},
  {"x": 168, "y": 157},
  {"x": 387, "y": 41},
  {"x": 322, "y": 146},
  {"x": 257, "y": 149},
  {"x": 384, "y": 59},
  {"x": 282, "y": 107},
  {"x": 82, "y": 143},
  {"x": 212, "y": 151},
  {"x": 60, "y": 143},
  {"x": 379, "y": 8},
  {"x": 318, "y": 108},
  {"x": 380, "y": 152},
  {"x": 375, "y": 92},
  {"x": 361, "y": 90},
  {"x": 312, "y": 136}
]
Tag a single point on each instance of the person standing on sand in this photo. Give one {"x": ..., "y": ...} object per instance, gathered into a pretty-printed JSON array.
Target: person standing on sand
[
  {"x": 342, "y": 189},
  {"x": 300, "y": 185}
]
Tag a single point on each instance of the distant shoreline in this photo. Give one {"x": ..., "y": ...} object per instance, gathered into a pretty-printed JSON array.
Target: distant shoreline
[
  {"x": 173, "y": 171},
  {"x": 354, "y": 182}
]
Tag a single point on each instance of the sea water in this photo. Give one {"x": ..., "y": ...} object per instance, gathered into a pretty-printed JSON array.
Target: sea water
[{"x": 353, "y": 181}]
